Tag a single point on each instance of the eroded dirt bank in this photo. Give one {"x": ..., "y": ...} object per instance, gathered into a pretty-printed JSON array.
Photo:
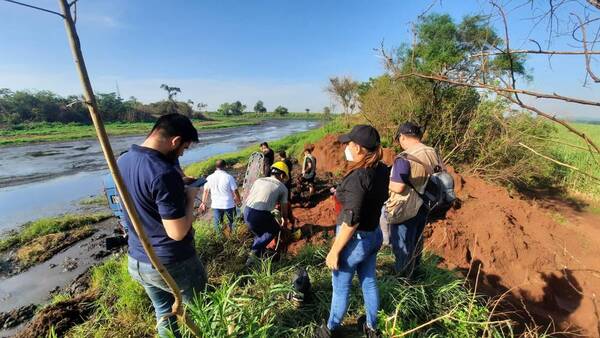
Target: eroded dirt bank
[{"x": 540, "y": 257}]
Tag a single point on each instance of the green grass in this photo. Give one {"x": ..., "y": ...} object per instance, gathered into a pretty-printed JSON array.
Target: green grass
[
  {"x": 577, "y": 155},
  {"x": 45, "y": 226},
  {"x": 254, "y": 303},
  {"x": 94, "y": 200},
  {"x": 56, "y": 132},
  {"x": 292, "y": 144}
]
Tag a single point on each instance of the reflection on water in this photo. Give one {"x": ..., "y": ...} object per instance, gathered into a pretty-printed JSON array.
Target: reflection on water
[{"x": 47, "y": 179}]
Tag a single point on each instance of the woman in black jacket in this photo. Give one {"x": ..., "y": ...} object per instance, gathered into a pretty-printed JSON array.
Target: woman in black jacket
[{"x": 361, "y": 195}]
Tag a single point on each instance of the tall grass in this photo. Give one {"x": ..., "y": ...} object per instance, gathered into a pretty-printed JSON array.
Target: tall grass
[
  {"x": 569, "y": 148},
  {"x": 254, "y": 303}
]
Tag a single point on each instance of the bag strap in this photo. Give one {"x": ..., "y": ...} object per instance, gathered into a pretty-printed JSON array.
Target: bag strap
[
  {"x": 428, "y": 169},
  {"x": 413, "y": 158}
]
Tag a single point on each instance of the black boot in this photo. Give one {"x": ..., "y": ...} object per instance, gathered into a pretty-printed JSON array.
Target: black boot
[
  {"x": 324, "y": 332},
  {"x": 369, "y": 332}
]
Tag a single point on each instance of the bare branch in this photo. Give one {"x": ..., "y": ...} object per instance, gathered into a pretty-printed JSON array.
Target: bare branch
[
  {"x": 558, "y": 162},
  {"x": 588, "y": 58},
  {"x": 538, "y": 51},
  {"x": 538, "y": 95},
  {"x": 595, "y": 3},
  {"x": 35, "y": 7},
  {"x": 557, "y": 120}
]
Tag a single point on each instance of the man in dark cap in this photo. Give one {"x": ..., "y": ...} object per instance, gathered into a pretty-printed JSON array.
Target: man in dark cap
[{"x": 404, "y": 210}]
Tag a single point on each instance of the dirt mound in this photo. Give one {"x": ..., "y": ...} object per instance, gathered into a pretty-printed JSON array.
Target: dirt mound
[
  {"x": 330, "y": 155},
  {"x": 542, "y": 260},
  {"x": 60, "y": 316}
]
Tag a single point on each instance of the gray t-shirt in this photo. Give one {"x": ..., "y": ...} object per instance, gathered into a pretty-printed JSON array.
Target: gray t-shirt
[{"x": 265, "y": 193}]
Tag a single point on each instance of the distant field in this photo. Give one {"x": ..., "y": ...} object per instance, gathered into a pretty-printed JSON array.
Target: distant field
[
  {"x": 56, "y": 132},
  {"x": 575, "y": 154}
]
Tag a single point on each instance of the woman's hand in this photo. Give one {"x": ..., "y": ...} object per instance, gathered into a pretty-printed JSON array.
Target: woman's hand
[{"x": 332, "y": 260}]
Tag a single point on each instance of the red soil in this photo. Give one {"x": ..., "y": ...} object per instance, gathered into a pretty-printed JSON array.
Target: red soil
[
  {"x": 546, "y": 260},
  {"x": 539, "y": 255},
  {"x": 330, "y": 155}
]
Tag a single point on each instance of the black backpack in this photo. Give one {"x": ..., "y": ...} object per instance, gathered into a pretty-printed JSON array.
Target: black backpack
[{"x": 439, "y": 194}]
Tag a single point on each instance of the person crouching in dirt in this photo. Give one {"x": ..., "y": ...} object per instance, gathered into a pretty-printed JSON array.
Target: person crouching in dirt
[
  {"x": 309, "y": 170},
  {"x": 265, "y": 194},
  {"x": 404, "y": 210},
  {"x": 361, "y": 195},
  {"x": 166, "y": 211}
]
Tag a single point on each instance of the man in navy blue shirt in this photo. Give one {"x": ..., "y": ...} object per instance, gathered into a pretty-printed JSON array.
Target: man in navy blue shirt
[
  {"x": 165, "y": 208},
  {"x": 405, "y": 212}
]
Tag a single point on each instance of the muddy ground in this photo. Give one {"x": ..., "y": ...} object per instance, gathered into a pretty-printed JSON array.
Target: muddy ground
[{"x": 64, "y": 270}]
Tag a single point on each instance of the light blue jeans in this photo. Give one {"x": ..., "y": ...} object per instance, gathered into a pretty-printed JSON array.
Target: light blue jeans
[
  {"x": 189, "y": 275},
  {"x": 358, "y": 256},
  {"x": 219, "y": 216}
]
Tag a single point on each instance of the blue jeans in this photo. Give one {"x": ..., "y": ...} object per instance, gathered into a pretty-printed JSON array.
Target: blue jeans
[
  {"x": 407, "y": 242},
  {"x": 189, "y": 275},
  {"x": 264, "y": 227},
  {"x": 360, "y": 256},
  {"x": 218, "y": 217}
]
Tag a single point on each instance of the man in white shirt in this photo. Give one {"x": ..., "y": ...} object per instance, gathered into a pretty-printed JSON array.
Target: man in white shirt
[{"x": 224, "y": 196}]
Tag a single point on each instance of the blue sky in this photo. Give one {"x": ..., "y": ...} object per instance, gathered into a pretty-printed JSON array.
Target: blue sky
[{"x": 279, "y": 51}]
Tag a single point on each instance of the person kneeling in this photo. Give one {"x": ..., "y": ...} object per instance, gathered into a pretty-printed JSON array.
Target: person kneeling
[{"x": 265, "y": 194}]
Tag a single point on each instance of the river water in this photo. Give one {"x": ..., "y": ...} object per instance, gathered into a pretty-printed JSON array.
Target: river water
[{"x": 48, "y": 179}]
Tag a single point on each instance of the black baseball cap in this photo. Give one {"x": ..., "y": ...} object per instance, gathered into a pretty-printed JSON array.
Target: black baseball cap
[
  {"x": 408, "y": 128},
  {"x": 363, "y": 135}
]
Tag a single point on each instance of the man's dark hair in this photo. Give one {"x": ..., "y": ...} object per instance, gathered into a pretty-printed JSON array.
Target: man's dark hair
[
  {"x": 282, "y": 154},
  {"x": 409, "y": 129},
  {"x": 220, "y": 164},
  {"x": 172, "y": 125},
  {"x": 264, "y": 144}
]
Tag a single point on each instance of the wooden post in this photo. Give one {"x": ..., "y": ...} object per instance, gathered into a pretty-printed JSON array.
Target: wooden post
[{"x": 90, "y": 101}]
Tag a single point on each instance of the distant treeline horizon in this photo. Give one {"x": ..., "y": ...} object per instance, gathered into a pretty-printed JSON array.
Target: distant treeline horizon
[{"x": 31, "y": 106}]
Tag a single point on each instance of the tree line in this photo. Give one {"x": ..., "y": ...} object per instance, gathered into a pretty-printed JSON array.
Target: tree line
[
  {"x": 23, "y": 106},
  {"x": 45, "y": 106}
]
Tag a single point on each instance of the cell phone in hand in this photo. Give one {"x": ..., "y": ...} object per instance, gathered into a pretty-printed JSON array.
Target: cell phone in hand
[{"x": 200, "y": 182}]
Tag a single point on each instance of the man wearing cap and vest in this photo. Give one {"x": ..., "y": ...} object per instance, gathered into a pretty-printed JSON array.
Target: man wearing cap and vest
[
  {"x": 265, "y": 194},
  {"x": 404, "y": 210}
]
